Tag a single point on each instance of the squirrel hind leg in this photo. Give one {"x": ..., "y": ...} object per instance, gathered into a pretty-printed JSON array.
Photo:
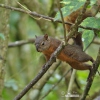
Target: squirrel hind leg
[{"x": 92, "y": 60}]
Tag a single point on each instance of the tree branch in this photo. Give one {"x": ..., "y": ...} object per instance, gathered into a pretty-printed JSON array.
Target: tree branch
[
  {"x": 55, "y": 84},
  {"x": 19, "y": 43},
  {"x": 4, "y": 30},
  {"x": 70, "y": 87},
  {"x": 89, "y": 84},
  {"x": 34, "y": 14},
  {"x": 58, "y": 3},
  {"x": 41, "y": 73},
  {"x": 43, "y": 81},
  {"x": 79, "y": 19}
]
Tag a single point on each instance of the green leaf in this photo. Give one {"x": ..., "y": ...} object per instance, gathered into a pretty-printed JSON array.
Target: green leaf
[
  {"x": 70, "y": 6},
  {"x": 91, "y": 22},
  {"x": 87, "y": 37},
  {"x": 2, "y": 36}
]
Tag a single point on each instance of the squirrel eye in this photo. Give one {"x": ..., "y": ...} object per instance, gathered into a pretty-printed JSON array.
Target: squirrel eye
[{"x": 42, "y": 43}]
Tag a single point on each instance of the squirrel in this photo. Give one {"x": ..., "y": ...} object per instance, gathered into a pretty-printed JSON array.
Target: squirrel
[{"x": 72, "y": 54}]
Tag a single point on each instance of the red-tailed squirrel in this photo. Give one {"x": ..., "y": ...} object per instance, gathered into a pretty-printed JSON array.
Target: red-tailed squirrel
[{"x": 72, "y": 54}]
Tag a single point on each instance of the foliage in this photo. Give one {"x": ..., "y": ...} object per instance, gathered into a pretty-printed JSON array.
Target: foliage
[
  {"x": 87, "y": 37},
  {"x": 92, "y": 22},
  {"x": 24, "y": 62},
  {"x": 71, "y": 6}
]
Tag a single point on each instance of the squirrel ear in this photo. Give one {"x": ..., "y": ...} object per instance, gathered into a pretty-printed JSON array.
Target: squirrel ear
[
  {"x": 35, "y": 36},
  {"x": 46, "y": 36}
]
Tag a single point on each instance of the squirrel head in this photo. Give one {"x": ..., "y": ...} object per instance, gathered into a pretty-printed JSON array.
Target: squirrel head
[{"x": 42, "y": 43}]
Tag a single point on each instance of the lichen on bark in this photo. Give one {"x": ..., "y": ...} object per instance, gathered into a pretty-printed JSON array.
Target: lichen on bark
[{"x": 4, "y": 27}]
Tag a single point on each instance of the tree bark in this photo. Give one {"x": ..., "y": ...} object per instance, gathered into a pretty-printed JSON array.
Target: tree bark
[{"x": 3, "y": 42}]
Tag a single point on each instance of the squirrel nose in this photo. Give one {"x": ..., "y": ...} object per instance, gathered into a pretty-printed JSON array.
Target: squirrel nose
[{"x": 37, "y": 47}]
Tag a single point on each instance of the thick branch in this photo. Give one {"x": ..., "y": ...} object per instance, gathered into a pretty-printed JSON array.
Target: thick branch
[
  {"x": 41, "y": 73},
  {"x": 89, "y": 84},
  {"x": 34, "y": 14},
  {"x": 4, "y": 30}
]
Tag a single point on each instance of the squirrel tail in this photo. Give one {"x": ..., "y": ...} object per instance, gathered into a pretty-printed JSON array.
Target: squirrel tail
[{"x": 78, "y": 40}]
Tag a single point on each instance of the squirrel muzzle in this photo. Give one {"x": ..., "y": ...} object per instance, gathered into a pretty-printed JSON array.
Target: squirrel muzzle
[{"x": 37, "y": 48}]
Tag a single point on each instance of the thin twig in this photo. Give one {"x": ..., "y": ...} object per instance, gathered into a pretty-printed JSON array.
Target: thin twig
[
  {"x": 34, "y": 14},
  {"x": 89, "y": 84},
  {"x": 55, "y": 84},
  {"x": 41, "y": 73},
  {"x": 71, "y": 82},
  {"x": 20, "y": 43},
  {"x": 58, "y": 3}
]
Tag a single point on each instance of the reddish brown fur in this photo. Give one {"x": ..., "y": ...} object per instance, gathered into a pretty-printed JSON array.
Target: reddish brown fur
[
  {"x": 73, "y": 16},
  {"x": 64, "y": 57}
]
